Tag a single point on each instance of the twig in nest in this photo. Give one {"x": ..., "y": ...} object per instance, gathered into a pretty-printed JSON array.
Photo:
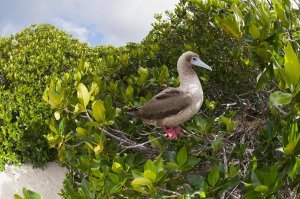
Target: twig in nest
[
  {"x": 137, "y": 145},
  {"x": 191, "y": 133},
  {"x": 145, "y": 133},
  {"x": 73, "y": 146},
  {"x": 123, "y": 141},
  {"x": 119, "y": 131},
  {"x": 168, "y": 191},
  {"x": 225, "y": 163},
  {"x": 231, "y": 194}
]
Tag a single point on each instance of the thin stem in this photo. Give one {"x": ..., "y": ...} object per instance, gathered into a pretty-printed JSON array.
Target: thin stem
[
  {"x": 73, "y": 146},
  {"x": 138, "y": 145},
  {"x": 168, "y": 191}
]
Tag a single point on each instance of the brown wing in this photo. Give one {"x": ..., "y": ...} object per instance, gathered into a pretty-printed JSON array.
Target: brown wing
[{"x": 169, "y": 102}]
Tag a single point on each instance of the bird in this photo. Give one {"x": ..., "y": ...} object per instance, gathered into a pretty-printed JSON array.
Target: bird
[{"x": 173, "y": 106}]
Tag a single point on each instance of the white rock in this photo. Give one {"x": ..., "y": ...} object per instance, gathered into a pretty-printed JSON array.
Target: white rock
[{"x": 47, "y": 182}]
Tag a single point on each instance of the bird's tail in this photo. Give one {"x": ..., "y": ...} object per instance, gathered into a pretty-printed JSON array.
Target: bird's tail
[{"x": 132, "y": 112}]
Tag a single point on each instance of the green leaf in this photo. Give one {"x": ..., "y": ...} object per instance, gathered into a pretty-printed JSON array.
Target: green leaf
[
  {"x": 53, "y": 129},
  {"x": 173, "y": 165},
  {"x": 139, "y": 183},
  {"x": 213, "y": 176},
  {"x": 203, "y": 189},
  {"x": 290, "y": 147},
  {"x": 202, "y": 194},
  {"x": 280, "y": 98},
  {"x": 237, "y": 14},
  {"x": 181, "y": 156},
  {"x": 190, "y": 164},
  {"x": 82, "y": 132},
  {"x": 94, "y": 89},
  {"x": 163, "y": 74},
  {"x": 83, "y": 95},
  {"x": 98, "y": 148},
  {"x": 217, "y": 143},
  {"x": 108, "y": 103},
  {"x": 89, "y": 145},
  {"x": 149, "y": 165},
  {"x": 271, "y": 176},
  {"x": 136, "y": 174},
  {"x": 96, "y": 124},
  {"x": 77, "y": 76},
  {"x": 154, "y": 141},
  {"x": 159, "y": 164},
  {"x": 99, "y": 110},
  {"x": 230, "y": 125},
  {"x": 114, "y": 178},
  {"x": 79, "y": 108},
  {"x": 144, "y": 73},
  {"x": 295, "y": 169},
  {"x": 261, "y": 81},
  {"x": 85, "y": 186},
  {"x": 117, "y": 167},
  {"x": 292, "y": 67},
  {"x": 150, "y": 174},
  {"x": 31, "y": 194},
  {"x": 229, "y": 25},
  {"x": 195, "y": 180},
  {"x": 55, "y": 99},
  {"x": 16, "y": 196},
  {"x": 261, "y": 188},
  {"x": 280, "y": 12},
  {"x": 254, "y": 31},
  {"x": 129, "y": 92}
]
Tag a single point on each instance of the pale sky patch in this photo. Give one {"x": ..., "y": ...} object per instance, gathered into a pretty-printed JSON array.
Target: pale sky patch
[{"x": 97, "y": 22}]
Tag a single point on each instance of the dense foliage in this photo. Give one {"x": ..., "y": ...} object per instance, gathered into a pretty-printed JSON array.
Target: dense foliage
[
  {"x": 27, "y": 62},
  {"x": 243, "y": 143}
]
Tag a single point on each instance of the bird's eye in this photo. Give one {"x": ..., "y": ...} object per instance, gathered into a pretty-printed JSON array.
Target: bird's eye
[{"x": 194, "y": 58}]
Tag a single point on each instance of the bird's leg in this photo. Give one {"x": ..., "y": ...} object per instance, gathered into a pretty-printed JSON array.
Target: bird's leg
[
  {"x": 178, "y": 131},
  {"x": 172, "y": 132}
]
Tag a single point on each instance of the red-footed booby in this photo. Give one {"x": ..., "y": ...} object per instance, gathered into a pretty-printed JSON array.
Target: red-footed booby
[{"x": 174, "y": 106}]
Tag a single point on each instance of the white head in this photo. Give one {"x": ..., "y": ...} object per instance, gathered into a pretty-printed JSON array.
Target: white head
[
  {"x": 193, "y": 59},
  {"x": 188, "y": 77}
]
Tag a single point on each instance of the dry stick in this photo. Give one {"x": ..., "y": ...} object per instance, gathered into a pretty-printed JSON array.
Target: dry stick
[
  {"x": 168, "y": 191},
  {"x": 191, "y": 133},
  {"x": 138, "y": 145},
  {"x": 119, "y": 131},
  {"x": 145, "y": 133},
  {"x": 223, "y": 195},
  {"x": 106, "y": 132},
  {"x": 231, "y": 194},
  {"x": 122, "y": 140},
  {"x": 225, "y": 163},
  {"x": 73, "y": 146},
  {"x": 225, "y": 169}
]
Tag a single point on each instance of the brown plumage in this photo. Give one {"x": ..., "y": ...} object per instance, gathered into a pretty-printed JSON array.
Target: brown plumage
[
  {"x": 162, "y": 105},
  {"x": 173, "y": 106}
]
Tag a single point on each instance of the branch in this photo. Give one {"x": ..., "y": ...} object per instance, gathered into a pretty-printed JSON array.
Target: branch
[
  {"x": 123, "y": 139},
  {"x": 73, "y": 146},
  {"x": 230, "y": 194},
  {"x": 87, "y": 115},
  {"x": 168, "y": 191},
  {"x": 138, "y": 145},
  {"x": 225, "y": 163}
]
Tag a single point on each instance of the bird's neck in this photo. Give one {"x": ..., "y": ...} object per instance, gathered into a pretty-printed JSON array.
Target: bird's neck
[{"x": 187, "y": 76}]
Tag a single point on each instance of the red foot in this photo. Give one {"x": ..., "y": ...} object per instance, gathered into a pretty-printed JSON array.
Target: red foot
[{"x": 173, "y": 132}]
